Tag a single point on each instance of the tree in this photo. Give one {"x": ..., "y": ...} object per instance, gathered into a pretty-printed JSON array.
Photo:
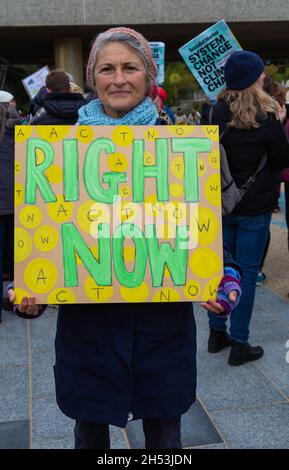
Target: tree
[
  {"x": 179, "y": 82},
  {"x": 174, "y": 80}
]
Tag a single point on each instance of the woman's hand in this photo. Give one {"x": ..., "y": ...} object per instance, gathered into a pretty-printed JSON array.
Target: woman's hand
[
  {"x": 27, "y": 305},
  {"x": 228, "y": 295},
  {"x": 214, "y": 306}
]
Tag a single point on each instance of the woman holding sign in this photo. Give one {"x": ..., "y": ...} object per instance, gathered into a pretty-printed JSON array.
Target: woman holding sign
[{"x": 116, "y": 362}]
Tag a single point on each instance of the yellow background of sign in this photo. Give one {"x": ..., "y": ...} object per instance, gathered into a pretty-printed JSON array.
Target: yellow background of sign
[{"x": 38, "y": 250}]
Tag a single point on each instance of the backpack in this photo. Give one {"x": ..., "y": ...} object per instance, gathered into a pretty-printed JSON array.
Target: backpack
[{"x": 231, "y": 194}]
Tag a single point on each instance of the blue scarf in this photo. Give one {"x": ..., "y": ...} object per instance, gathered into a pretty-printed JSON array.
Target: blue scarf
[{"x": 93, "y": 114}]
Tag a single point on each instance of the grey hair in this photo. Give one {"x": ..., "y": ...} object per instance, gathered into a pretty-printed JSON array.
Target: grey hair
[{"x": 106, "y": 38}]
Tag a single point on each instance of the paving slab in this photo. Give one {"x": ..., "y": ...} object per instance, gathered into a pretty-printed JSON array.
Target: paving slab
[
  {"x": 14, "y": 403},
  {"x": 42, "y": 373},
  {"x": 13, "y": 350},
  {"x": 66, "y": 443},
  {"x": 48, "y": 422},
  {"x": 273, "y": 302},
  {"x": 255, "y": 428},
  {"x": 265, "y": 326},
  {"x": 211, "y": 446},
  {"x": 275, "y": 365},
  {"x": 223, "y": 386},
  {"x": 119, "y": 440},
  {"x": 14, "y": 434},
  {"x": 12, "y": 325},
  {"x": 43, "y": 330},
  {"x": 197, "y": 429}
]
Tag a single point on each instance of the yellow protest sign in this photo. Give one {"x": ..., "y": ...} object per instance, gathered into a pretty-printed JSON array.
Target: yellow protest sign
[{"x": 117, "y": 214}]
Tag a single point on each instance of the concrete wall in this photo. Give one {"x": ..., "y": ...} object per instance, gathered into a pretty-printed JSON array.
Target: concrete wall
[{"x": 103, "y": 12}]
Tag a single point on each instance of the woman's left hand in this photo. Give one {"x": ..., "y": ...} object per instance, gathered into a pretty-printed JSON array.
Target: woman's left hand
[
  {"x": 228, "y": 295},
  {"x": 214, "y": 306}
]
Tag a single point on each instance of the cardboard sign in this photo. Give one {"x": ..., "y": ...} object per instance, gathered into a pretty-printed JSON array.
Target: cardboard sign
[
  {"x": 206, "y": 55},
  {"x": 158, "y": 51},
  {"x": 117, "y": 214},
  {"x": 35, "y": 81}
]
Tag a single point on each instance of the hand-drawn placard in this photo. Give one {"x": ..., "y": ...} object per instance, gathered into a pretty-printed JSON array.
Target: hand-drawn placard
[
  {"x": 206, "y": 55},
  {"x": 35, "y": 81},
  {"x": 117, "y": 214}
]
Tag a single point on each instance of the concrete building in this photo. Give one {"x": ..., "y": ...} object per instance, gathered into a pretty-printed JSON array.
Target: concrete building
[{"x": 59, "y": 32}]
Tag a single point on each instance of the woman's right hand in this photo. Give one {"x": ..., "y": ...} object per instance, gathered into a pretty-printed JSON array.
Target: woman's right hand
[{"x": 27, "y": 305}]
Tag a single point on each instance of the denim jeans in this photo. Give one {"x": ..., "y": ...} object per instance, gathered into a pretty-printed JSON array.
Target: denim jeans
[
  {"x": 6, "y": 249},
  {"x": 159, "y": 434},
  {"x": 246, "y": 238}
]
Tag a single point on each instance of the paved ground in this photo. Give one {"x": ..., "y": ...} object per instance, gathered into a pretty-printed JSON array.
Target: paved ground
[
  {"x": 277, "y": 260},
  {"x": 237, "y": 407}
]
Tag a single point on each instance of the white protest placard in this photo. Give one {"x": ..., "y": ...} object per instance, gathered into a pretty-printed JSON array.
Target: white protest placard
[
  {"x": 35, "y": 81},
  {"x": 206, "y": 55},
  {"x": 158, "y": 51}
]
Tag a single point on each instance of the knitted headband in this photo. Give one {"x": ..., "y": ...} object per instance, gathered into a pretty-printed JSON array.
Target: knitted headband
[{"x": 129, "y": 32}]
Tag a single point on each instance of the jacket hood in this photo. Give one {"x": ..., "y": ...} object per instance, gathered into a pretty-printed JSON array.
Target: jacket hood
[
  {"x": 38, "y": 98},
  {"x": 63, "y": 105}
]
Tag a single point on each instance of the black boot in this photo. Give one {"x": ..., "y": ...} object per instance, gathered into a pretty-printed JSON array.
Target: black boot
[
  {"x": 244, "y": 352},
  {"x": 218, "y": 340}
]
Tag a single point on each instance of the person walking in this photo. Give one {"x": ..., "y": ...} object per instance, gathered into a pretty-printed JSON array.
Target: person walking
[{"x": 253, "y": 127}]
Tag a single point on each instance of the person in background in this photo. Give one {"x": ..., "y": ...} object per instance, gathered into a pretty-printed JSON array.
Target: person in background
[
  {"x": 277, "y": 91},
  {"x": 74, "y": 88},
  {"x": 180, "y": 117},
  {"x": 194, "y": 118},
  {"x": 89, "y": 94},
  {"x": 163, "y": 97},
  {"x": 287, "y": 98},
  {"x": 205, "y": 109},
  {"x": 8, "y": 119},
  {"x": 252, "y": 120},
  {"x": 285, "y": 178},
  {"x": 37, "y": 102},
  {"x": 59, "y": 105},
  {"x": 116, "y": 362}
]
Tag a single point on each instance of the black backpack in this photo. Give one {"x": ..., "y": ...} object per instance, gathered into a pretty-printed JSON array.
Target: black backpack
[{"x": 231, "y": 194}]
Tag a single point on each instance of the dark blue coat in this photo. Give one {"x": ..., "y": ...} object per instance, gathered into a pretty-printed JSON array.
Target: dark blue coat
[
  {"x": 116, "y": 359},
  {"x": 112, "y": 359}
]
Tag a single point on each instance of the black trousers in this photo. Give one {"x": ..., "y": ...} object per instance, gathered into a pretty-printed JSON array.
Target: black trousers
[{"x": 159, "y": 434}]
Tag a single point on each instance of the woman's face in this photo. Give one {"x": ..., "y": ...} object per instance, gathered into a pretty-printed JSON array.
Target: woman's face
[{"x": 120, "y": 79}]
